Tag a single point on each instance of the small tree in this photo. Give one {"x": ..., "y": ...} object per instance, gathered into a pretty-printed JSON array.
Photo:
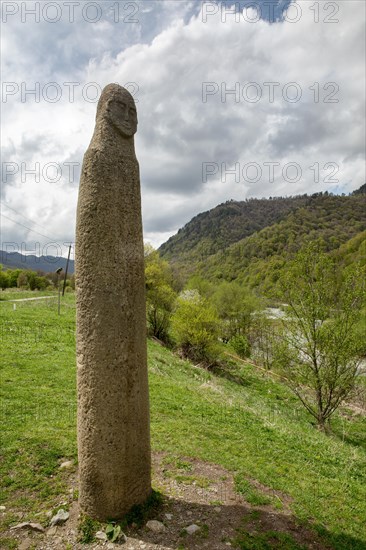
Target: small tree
[
  {"x": 4, "y": 278},
  {"x": 22, "y": 281},
  {"x": 205, "y": 288},
  {"x": 160, "y": 296},
  {"x": 41, "y": 282},
  {"x": 13, "y": 275},
  {"x": 195, "y": 327},
  {"x": 32, "y": 283},
  {"x": 262, "y": 337},
  {"x": 240, "y": 345},
  {"x": 235, "y": 305},
  {"x": 318, "y": 351}
]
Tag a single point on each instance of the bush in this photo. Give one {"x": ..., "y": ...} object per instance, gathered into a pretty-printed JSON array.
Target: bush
[
  {"x": 4, "y": 279},
  {"x": 240, "y": 345},
  {"x": 160, "y": 296},
  {"x": 195, "y": 327}
]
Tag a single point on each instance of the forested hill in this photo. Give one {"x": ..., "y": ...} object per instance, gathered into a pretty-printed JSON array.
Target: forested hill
[
  {"x": 227, "y": 223},
  {"x": 273, "y": 230}
]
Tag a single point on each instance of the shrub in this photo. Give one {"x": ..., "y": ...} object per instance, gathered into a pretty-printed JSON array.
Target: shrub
[
  {"x": 240, "y": 345},
  {"x": 195, "y": 327}
]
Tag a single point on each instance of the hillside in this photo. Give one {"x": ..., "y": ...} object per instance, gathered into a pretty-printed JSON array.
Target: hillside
[
  {"x": 259, "y": 257},
  {"x": 227, "y": 223},
  {"x": 15, "y": 260},
  {"x": 234, "y": 451},
  {"x": 353, "y": 250}
]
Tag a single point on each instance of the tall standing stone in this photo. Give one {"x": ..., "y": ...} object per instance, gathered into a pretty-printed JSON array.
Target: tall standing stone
[{"x": 113, "y": 402}]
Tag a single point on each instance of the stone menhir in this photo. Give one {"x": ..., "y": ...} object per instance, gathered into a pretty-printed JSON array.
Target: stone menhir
[{"x": 113, "y": 401}]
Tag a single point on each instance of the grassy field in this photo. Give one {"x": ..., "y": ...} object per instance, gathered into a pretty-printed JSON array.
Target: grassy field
[{"x": 241, "y": 419}]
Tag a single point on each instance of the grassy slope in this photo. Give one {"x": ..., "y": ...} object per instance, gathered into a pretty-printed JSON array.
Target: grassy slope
[{"x": 255, "y": 428}]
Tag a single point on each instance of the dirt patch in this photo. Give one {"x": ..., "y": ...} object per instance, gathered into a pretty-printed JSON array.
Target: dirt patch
[{"x": 194, "y": 492}]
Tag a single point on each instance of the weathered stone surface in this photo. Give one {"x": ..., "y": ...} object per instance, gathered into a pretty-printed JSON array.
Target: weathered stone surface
[
  {"x": 66, "y": 465},
  {"x": 191, "y": 529},
  {"x": 60, "y": 517},
  {"x": 28, "y": 525},
  {"x": 155, "y": 526},
  {"x": 25, "y": 544},
  {"x": 101, "y": 535},
  {"x": 113, "y": 405}
]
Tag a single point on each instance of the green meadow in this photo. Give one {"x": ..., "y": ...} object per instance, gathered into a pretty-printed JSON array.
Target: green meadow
[{"x": 239, "y": 417}]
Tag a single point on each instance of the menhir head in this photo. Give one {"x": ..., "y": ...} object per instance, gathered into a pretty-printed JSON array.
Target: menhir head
[{"x": 116, "y": 106}]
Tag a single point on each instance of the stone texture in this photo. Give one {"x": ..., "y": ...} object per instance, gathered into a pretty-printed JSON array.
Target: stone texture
[
  {"x": 66, "y": 465},
  {"x": 60, "y": 517},
  {"x": 113, "y": 403},
  {"x": 155, "y": 526},
  {"x": 101, "y": 535},
  {"x": 191, "y": 529},
  {"x": 25, "y": 544},
  {"x": 28, "y": 525}
]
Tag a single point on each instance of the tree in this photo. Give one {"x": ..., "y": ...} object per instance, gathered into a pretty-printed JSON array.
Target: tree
[
  {"x": 195, "y": 327},
  {"x": 262, "y": 337},
  {"x": 204, "y": 287},
  {"x": 40, "y": 282},
  {"x": 32, "y": 280},
  {"x": 160, "y": 296},
  {"x": 4, "y": 278},
  {"x": 319, "y": 349},
  {"x": 235, "y": 305},
  {"x": 22, "y": 281},
  {"x": 13, "y": 275}
]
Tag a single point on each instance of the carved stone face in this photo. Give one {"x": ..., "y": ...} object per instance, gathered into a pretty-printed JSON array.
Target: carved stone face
[{"x": 122, "y": 113}]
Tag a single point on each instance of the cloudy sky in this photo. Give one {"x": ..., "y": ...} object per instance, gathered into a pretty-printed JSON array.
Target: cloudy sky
[{"x": 234, "y": 99}]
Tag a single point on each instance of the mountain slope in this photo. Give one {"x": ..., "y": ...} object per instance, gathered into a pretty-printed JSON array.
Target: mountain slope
[
  {"x": 259, "y": 257},
  {"x": 15, "y": 260},
  {"x": 353, "y": 251},
  {"x": 227, "y": 223}
]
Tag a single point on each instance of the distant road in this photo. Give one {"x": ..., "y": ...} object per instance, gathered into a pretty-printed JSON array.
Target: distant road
[{"x": 28, "y": 299}]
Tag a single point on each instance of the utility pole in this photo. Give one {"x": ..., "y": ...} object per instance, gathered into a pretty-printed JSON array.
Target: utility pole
[
  {"x": 58, "y": 271},
  {"x": 66, "y": 268}
]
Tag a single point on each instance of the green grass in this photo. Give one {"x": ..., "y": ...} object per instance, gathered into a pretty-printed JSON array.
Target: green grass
[
  {"x": 87, "y": 529},
  {"x": 254, "y": 428},
  {"x": 251, "y": 495},
  {"x": 267, "y": 541},
  {"x": 37, "y": 399}
]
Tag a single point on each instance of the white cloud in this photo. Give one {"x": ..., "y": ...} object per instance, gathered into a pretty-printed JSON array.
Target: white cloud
[{"x": 170, "y": 59}]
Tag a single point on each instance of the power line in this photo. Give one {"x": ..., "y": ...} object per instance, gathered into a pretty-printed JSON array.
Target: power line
[
  {"x": 30, "y": 229},
  {"x": 28, "y": 219}
]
